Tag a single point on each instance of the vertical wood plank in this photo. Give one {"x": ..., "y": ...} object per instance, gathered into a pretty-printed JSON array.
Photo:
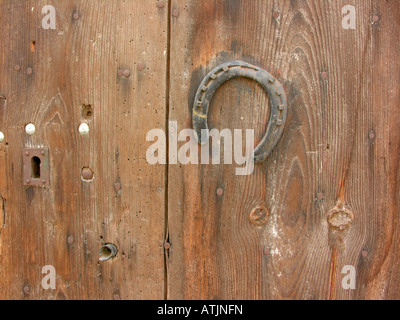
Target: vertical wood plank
[
  {"x": 78, "y": 77},
  {"x": 327, "y": 170}
]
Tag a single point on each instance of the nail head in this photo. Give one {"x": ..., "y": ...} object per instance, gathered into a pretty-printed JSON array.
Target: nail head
[
  {"x": 372, "y": 135},
  {"x": 87, "y": 174},
  {"x": 70, "y": 239},
  {"x": 117, "y": 186},
  {"x": 27, "y": 290}
]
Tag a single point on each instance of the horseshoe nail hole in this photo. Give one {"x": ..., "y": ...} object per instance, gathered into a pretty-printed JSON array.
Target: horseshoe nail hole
[
  {"x": 35, "y": 165},
  {"x": 259, "y": 216},
  {"x": 340, "y": 218},
  {"x": 107, "y": 252}
]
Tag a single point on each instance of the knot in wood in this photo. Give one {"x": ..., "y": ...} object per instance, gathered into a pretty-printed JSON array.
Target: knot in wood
[
  {"x": 340, "y": 217},
  {"x": 259, "y": 216}
]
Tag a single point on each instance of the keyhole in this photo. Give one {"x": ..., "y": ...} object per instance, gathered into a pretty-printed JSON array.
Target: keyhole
[{"x": 35, "y": 162}]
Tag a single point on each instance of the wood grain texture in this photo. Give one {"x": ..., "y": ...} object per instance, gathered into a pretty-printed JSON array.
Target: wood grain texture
[
  {"x": 75, "y": 70},
  {"x": 336, "y": 164},
  {"x": 341, "y": 86}
]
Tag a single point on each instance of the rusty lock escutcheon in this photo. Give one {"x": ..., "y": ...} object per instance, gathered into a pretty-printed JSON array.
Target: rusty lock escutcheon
[
  {"x": 36, "y": 167},
  {"x": 235, "y": 69}
]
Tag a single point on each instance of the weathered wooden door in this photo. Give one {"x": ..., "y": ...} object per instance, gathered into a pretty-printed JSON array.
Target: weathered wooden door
[{"x": 318, "y": 219}]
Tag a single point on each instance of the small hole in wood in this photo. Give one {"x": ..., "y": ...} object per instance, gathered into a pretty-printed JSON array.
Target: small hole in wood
[
  {"x": 107, "y": 252},
  {"x": 87, "y": 111}
]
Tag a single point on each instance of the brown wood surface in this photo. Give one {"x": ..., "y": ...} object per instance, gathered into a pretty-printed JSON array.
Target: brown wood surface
[
  {"x": 74, "y": 65},
  {"x": 326, "y": 157},
  {"x": 340, "y": 149}
]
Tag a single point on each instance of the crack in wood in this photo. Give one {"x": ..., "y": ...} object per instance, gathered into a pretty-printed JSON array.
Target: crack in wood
[{"x": 3, "y": 211}]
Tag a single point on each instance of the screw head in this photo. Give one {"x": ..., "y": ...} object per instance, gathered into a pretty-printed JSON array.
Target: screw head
[
  {"x": 175, "y": 13},
  {"x": 167, "y": 245},
  {"x": 76, "y": 16},
  {"x": 160, "y": 4},
  {"x": 324, "y": 75},
  {"x": 220, "y": 192},
  {"x": 17, "y": 68},
  {"x": 84, "y": 129},
  {"x": 29, "y": 71},
  {"x": 267, "y": 251},
  {"x": 275, "y": 14},
  {"x": 30, "y": 129},
  {"x": 364, "y": 254},
  {"x": 320, "y": 196}
]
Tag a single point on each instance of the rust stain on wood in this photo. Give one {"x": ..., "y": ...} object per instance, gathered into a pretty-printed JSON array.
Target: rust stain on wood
[{"x": 332, "y": 275}]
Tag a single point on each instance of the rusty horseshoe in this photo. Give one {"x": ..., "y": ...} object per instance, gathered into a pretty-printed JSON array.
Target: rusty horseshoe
[{"x": 235, "y": 69}]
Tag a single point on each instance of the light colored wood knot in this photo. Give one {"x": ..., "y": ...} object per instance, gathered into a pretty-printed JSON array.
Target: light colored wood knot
[
  {"x": 340, "y": 217},
  {"x": 259, "y": 216}
]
